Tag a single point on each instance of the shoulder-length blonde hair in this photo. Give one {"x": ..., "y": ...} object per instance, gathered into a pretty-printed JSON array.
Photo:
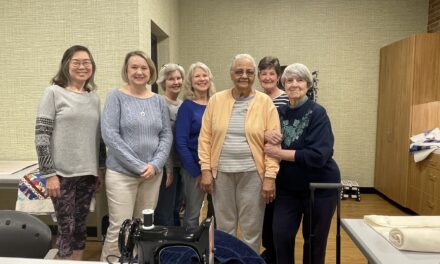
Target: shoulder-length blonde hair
[
  {"x": 188, "y": 90},
  {"x": 153, "y": 71}
]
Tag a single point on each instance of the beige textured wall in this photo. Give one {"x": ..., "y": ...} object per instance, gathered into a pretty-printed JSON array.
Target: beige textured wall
[
  {"x": 340, "y": 38},
  {"x": 34, "y": 35},
  {"x": 165, "y": 14}
]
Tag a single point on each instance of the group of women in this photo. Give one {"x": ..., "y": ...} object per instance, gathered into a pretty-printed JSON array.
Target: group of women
[{"x": 160, "y": 151}]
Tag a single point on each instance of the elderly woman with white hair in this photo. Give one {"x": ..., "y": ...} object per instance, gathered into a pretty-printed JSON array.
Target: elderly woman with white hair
[
  {"x": 170, "y": 79},
  {"x": 306, "y": 156},
  {"x": 234, "y": 166}
]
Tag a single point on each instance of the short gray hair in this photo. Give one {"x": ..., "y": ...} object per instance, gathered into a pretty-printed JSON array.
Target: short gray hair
[
  {"x": 297, "y": 70},
  {"x": 166, "y": 71},
  {"x": 240, "y": 57}
]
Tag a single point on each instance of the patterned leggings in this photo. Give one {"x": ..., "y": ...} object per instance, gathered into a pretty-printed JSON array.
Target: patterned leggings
[{"x": 71, "y": 210}]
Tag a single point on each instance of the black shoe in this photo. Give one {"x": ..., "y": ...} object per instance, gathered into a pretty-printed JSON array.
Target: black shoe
[{"x": 268, "y": 257}]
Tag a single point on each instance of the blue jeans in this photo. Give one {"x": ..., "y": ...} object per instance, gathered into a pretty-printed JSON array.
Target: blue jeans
[{"x": 166, "y": 205}]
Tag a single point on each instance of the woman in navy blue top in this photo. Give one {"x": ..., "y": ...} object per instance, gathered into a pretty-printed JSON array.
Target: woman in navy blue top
[
  {"x": 198, "y": 88},
  {"x": 306, "y": 156}
]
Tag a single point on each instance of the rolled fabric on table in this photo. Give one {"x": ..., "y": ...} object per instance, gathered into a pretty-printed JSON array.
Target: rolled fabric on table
[
  {"x": 416, "y": 239},
  {"x": 414, "y": 233},
  {"x": 402, "y": 221}
]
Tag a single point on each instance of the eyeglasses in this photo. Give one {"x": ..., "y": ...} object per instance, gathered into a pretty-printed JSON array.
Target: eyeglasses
[
  {"x": 77, "y": 63},
  {"x": 241, "y": 73}
]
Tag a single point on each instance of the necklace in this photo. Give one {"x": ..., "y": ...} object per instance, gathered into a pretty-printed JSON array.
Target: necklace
[{"x": 141, "y": 108}]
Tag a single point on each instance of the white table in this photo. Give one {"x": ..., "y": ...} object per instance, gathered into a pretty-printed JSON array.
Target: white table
[
  {"x": 12, "y": 171},
  {"x": 378, "y": 250},
  {"x": 10, "y": 177},
  {"x": 43, "y": 261}
]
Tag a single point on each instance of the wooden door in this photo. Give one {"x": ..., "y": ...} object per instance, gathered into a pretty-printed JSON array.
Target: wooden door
[{"x": 393, "y": 121}]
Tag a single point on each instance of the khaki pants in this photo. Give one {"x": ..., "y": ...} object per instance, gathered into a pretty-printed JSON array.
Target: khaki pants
[
  {"x": 127, "y": 197},
  {"x": 237, "y": 201}
]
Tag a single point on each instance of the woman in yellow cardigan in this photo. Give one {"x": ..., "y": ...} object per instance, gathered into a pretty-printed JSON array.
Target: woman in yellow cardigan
[{"x": 235, "y": 169}]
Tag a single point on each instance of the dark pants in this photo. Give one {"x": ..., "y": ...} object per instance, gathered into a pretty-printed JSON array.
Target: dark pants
[
  {"x": 180, "y": 198},
  {"x": 164, "y": 214},
  {"x": 71, "y": 209},
  {"x": 267, "y": 234},
  {"x": 210, "y": 211},
  {"x": 289, "y": 211}
]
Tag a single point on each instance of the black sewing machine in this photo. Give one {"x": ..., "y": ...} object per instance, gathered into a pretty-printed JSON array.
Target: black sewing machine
[{"x": 151, "y": 240}]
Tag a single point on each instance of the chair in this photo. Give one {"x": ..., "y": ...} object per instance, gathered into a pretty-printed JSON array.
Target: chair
[{"x": 23, "y": 235}]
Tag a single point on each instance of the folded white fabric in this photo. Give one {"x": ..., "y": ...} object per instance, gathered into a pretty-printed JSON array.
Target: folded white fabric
[
  {"x": 414, "y": 233},
  {"x": 416, "y": 238},
  {"x": 424, "y": 153},
  {"x": 429, "y": 135}
]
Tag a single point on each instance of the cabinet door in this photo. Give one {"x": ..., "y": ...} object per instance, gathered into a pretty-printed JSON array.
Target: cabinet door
[
  {"x": 431, "y": 180},
  {"x": 414, "y": 195},
  {"x": 430, "y": 205},
  {"x": 427, "y": 68},
  {"x": 393, "y": 119}
]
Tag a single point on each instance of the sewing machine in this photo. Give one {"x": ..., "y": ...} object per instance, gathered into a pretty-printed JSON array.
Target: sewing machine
[{"x": 150, "y": 241}]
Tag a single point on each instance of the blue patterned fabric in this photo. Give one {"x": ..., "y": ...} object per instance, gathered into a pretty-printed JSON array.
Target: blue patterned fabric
[{"x": 33, "y": 186}]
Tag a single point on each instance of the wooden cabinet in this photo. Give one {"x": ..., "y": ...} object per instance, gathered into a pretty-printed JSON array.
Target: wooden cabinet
[
  {"x": 408, "y": 104},
  {"x": 424, "y": 186}
]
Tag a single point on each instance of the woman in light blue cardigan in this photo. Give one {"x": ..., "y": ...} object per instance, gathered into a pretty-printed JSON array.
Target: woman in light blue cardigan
[{"x": 136, "y": 129}]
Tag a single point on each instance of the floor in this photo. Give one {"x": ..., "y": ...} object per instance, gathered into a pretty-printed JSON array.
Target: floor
[{"x": 350, "y": 208}]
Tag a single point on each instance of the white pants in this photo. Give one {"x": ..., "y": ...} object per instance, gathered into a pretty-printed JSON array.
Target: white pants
[
  {"x": 127, "y": 197},
  {"x": 237, "y": 201}
]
